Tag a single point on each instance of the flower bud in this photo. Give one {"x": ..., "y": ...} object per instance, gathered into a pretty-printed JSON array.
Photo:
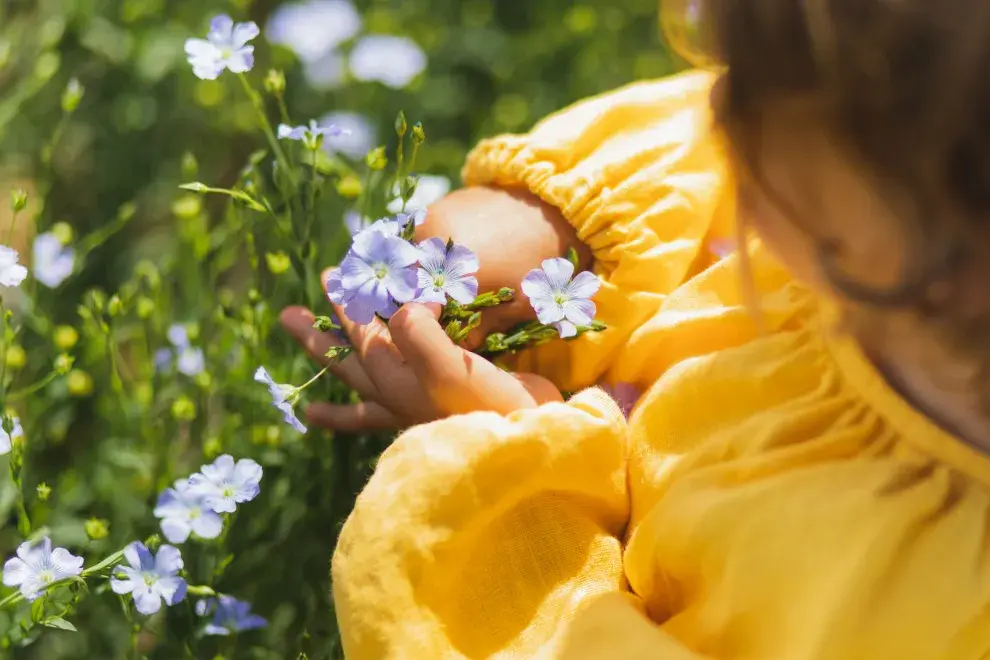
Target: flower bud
[
  {"x": 79, "y": 383},
  {"x": 44, "y": 491},
  {"x": 72, "y": 95},
  {"x": 183, "y": 409},
  {"x": 400, "y": 124},
  {"x": 145, "y": 307},
  {"x": 16, "y": 357},
  {"x": 278, "y": 262},
  {"x": 418, "y": 134},
  {"x": 63, "y": 232},
  {"x": 97, "y": 529},
  {"x": 275, "y": 82},
  {"x": 63, "y": 364},
  {"x": 65, "y": 337},
  {"x": 187, "y": 206},
  {"x": 203, "y": 380},
  {"x": 254, "y": 296},
  {"x": 98, "y": 299},
  {"x": 212, "y": 447},
  {"x": 349, "y": 187},
  {"x": 376, "y": 159},
  {"x": 18, "y": 199},
  {"x": 324, "y": 324},
  {"x": 144, "y": 393},
  {"x": 114, "y": 306},
  {"x": 190, "y": 167}
]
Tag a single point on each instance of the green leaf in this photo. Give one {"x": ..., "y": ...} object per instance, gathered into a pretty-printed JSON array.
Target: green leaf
[{"x": 60, "y": 623}]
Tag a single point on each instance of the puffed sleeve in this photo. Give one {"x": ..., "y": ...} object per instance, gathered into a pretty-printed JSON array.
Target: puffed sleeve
[
  {"x": 641, "y": 176},
  {"x": 483, "y": 535}
]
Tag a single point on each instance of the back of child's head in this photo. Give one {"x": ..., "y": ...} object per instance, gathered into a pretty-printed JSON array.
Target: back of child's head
[{"x": 903, "y": 88}]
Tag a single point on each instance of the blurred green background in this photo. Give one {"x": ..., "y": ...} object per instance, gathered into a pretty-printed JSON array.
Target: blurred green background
[{"x": 465, "y": 68}]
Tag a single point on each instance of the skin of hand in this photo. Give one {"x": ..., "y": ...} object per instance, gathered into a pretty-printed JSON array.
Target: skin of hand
[{"x": 409, "y": 371}]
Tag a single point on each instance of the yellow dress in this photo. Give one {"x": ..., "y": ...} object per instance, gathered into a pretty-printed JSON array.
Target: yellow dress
[{"x": 769, "y": 497}]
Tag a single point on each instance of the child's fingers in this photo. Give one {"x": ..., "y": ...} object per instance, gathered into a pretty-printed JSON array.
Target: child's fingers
[
  {"x": 374, "y": 347},
  {"x": 364, "y": 416},
  {"x": 298, "y": 322},
  {"x": 437, "y": 362}
]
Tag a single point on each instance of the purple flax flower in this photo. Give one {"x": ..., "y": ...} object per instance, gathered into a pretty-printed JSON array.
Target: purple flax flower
[
  {"x": 229, "y": 615},
  {"x": 190, "y": 360},
  {"x": 376, "y": 276},
  {"x": 183, "y": 512},
  {"x": 225, "y": 47},
  {"x": 224, "y": 484},
  {"x": 311, "y": 135},
  {"x": 557, "y": 299},
  {"x": 36, "y": 566},
  {"x": 6, "y": 439},
  {"x": 284, "y": 396},
  {"x": 446, "y": 272},
  {"x": 150, "y": 579},
  {"x": 51, "y": 262}
]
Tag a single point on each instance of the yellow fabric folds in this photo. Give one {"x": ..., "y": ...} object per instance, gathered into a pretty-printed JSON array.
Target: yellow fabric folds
[{"x": 770, "y": 497}]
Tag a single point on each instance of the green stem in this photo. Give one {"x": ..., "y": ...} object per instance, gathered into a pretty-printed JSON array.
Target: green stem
[
  {"x": 31, "y": 389},
  {"x": 266, "y": 126},
  {"x": 313, "y": 379},
  {"x": 13, "y": 223}
]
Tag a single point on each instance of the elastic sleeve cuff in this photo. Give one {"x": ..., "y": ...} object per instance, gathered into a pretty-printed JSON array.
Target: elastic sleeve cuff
[{"x": 640, "y": 176}]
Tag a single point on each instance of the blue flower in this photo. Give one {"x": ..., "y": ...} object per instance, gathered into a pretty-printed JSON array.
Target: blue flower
[
  {"x": 190, "y": 360},
  {"x": 229, "y": 615},
  {"x": 312, "y": 135},
  {"x": 376, "y": 276},
  {"x": 36, "y": 566},
  {"x": 283, "y": 397},
  {"x": 392, "y": 61},
  {"x": 52, "y": 262},
  {"x": 313, "y": 28},
  {"x": 444, "y": 272},
  {"x": 150, "y": 579},
  {"x": 11, "y": 272},
  {"x": 558, "y": 301},
  {"x": 223, "y": 484},
  {"x": 6, "y": 439},
  {"x": 225, "y": 47},
  {"x": 183, "y": 511}
]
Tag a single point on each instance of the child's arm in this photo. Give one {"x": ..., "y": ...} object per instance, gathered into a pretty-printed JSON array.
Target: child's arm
[{"x": 642, "y": 180}]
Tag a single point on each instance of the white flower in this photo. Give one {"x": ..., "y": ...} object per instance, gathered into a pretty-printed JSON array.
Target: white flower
[
  {"x": 183, "y": 511},
  {"x": 6, "y": 439},
  {"x": 283, "y": 397},
  {"x": 429, "y": 189},
  {"x": 52, "y": 261},
  {"x": 392, "y": 61},
  {"x": 37, "y": 566},
  {"x": 11, "y": 272},
  {"x": 357, "y": 142},
  {"x": 314, "y": 28},
  {"x": 225, "y": 47},
  {"x": 223, "y": 484}
]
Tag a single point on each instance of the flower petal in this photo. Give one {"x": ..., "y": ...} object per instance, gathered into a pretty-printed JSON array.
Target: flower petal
[
  {"x": 461, "y": 260},
  {"x": 221, "y": 30},
  {"x": 579, "y": 311},
  {"x": 177, "y": 530},
  {"x": 464, "y": 289},
  {"x": 221, "y": 468},
  {"x": 213, "y": 629},
  {"x": 585, "y": 285},
  {"x": 261, "y": 375},
  {"x": 123, "y": 585},
  {"x": 537, "y": 287},
  {"x": 171, "y": 589},
  {"x": 146, "y": 601},
  {"x": 15, "y": 571},
  {"x": 241, "y": 61},
  {"x": 64, "y": 563},
  {"x": 355, "y": 272},
  {"x": 207, "y": 525},
  {"x": 243, "y": 33},
  {"x": 432, "y": 255},
  {"x": 139, "y": 557},
  {"x": 549, "y": 313},
  {"x": 168, "y": 561},
  {"x": 566, "y": 329},
  {"x": 247, "y": 471},
  {"x": 402, "y": 283},
  {"x": 559, "y": 272},
  {"x": 251, "y": 622}
]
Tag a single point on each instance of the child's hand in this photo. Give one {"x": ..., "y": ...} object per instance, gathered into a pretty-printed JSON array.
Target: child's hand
[
  {"x": 512, "y": 232},
  {"x": 410, "y": 372}
]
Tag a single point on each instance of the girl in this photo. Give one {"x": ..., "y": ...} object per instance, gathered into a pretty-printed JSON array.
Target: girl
[{"x": 811, "y": 481}]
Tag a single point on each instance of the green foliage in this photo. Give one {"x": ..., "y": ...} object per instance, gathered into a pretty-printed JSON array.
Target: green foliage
[{"x": 101, "y": 122}]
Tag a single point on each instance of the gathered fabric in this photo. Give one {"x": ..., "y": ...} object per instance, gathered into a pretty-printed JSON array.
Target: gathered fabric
[{"x": 769, "y": 496}]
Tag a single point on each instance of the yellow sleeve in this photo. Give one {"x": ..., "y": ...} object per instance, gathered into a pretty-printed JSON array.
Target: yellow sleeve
[
  {"x": 640, "y": 175},
  {"x": 481, "y": 534}
]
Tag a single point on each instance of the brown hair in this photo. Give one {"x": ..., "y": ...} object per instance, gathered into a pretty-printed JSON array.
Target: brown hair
[{"x": 906, "y": 85}]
